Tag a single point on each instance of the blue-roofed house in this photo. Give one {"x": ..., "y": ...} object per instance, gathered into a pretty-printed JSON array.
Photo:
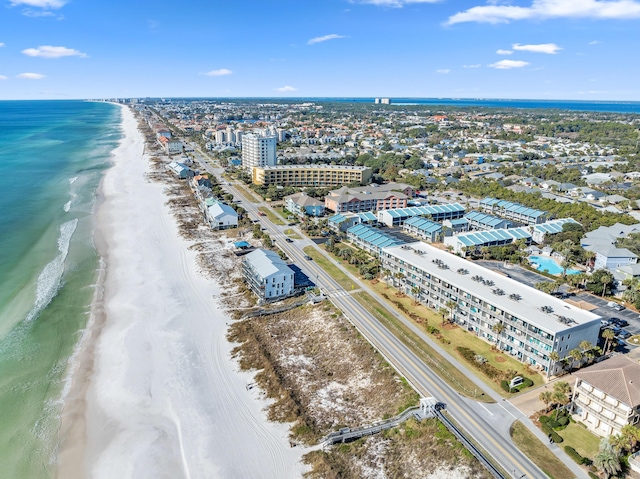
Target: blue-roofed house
[
  {"x": 552, "y": 227},
  {"x": 482, "y": 221},
  {"x": 514, "y": 211},
  {"x": 340, "y": 223},
  {"x": 371, "y": 239},
  {"x": 423, "y": 228},
  {"x": 455, "y": 226},
  {"x": 474, "y": 240},
  {"x": 396, "y": 217}
]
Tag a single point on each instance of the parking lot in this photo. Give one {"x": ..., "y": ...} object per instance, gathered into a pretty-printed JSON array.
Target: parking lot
[{"x": 601, "y": 309}]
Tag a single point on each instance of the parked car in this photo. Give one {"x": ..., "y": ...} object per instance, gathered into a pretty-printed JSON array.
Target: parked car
[
  {"x": 618, "y": 307},
  {"x": 619, "y": 322},
  {"x": 308, "y": 258},
  {"x": 616, "y": 330},
  {"x": 624, "y": 334},
  {"x": 288, "y": 240},
  {"x": 604, "y": 323}
]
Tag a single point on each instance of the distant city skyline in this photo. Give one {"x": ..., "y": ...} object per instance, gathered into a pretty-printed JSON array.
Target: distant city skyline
[{"x": 526, "y": 49}]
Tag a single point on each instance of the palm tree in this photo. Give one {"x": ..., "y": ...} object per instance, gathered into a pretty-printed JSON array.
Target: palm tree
[
  {"x": 561, "y": 399},
  {"x": 607, "y": 460},
  {"x": 546, "y": 397},
  {"x": 415, "y": 291},
  {"x": 605, "y": 279},
  {"x": 498, "y": 328},
  {"x": 451, "y": 307},
  {"x": 399, "y": 276},
  {"x": 585, "y": 346},
  {"x": 576, "y": 355},
  {"x": 386, "y": 273},
  {"x": 554, "y": 357},
  {"x": 608, "y": 336}
]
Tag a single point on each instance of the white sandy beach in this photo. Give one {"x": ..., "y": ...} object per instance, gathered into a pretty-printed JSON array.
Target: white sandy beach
[{"x": 159, "y": 395}]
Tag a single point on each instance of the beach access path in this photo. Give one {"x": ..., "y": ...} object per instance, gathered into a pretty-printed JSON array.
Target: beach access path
[{"x": 163, "y": 397}]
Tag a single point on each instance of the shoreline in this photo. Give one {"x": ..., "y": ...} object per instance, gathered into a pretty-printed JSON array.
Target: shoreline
[
  {"x": 154, "y": 391},
  {"x": 72, "y": 430}
]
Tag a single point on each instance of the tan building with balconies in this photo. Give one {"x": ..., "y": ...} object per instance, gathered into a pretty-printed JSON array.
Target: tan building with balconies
[
  {"x": 606, "y": 395},
  {"x": 310, "y": 175}
]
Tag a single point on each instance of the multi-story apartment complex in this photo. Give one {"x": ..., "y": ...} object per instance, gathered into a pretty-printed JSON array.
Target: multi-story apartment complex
[
  {"x": 396, "y": 217},
  {"x": 310, "y": 175},
  {"x": 606, "y": 395},
  {"x": 514, "y": 211},
  {"x": 258, "y": 150},
  {"x": 268, "y": 275},
  {"x": 473, "y": 241},
  {"x": 368, "y": 198},
  {"x": 519, "y": 319}
]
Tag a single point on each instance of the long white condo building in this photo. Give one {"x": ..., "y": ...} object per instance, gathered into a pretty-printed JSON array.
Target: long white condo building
[{"x": 533, "y": 323}]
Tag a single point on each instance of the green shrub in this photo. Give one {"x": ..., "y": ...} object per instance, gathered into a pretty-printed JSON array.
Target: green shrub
[
  {"x": 527, "y": 383},
  {"x": 544, "y": 419},
  {"x": 433, "y": 330},
  {"x": 563, "y": 420},
  {"x": 555, "y": 437},
  {"x": 504, "y": 384},
  {"x": 575, "y": 455},
  {"x": 593, "y": 476},
  {"x": 553, "y": 424}
]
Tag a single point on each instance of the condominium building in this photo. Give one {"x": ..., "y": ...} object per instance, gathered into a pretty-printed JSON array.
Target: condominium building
[
  {"x": 368, "y": 198},
  {"x": 606, "y": 395},
  {"x": 258, "y": 150},
  {"x": 514, "y": 211},
  {"x": 532, "y": 323},
  {"x": 397, "y": 217},
  {"x": 310, "y": 175}
]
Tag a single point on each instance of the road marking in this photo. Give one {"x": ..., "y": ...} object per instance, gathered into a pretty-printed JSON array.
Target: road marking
[{"x": 485, "y": 408}]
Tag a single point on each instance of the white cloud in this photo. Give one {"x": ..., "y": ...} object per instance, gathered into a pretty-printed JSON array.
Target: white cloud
[
  {"x": 477, "y": 65},
  {"x": 595, "y": 42},
  {"x": 504, "y": 52},
  {"x": 394, "y": 3},
  {"x": 548, "y": 48},
  {"x": 546, "y": 9},
  {"x": 218, "y": 73},
  {"x": 30, "y": 76},
  {"x": 286, "y": 88},
  {"x": 48, "y": 51},
  {"x": 28, "y": 12},
  {"x": 443, "y": 71},
  {"x": 39, "y": 3},
  {"x": 4, "y": 77},
  {"x": 1, "y": 45},
  {"x": 324, "y": 38},
  {"x": 508, "y": 64}
]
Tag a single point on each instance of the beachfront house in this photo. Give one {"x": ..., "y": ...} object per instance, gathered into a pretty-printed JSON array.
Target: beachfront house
[
  {"x": 180, "y": 170},
  {"x": 221, "y": 216},
  {"x": 268, "y": 276}
]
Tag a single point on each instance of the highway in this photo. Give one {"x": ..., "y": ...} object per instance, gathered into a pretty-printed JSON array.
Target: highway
[{"x": 486, "y": 424}]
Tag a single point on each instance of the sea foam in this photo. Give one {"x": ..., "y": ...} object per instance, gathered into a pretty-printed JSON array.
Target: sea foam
[{"x": 50, "y": 278}]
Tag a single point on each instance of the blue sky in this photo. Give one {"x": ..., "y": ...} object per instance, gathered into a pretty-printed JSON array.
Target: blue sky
[{"x": 541, "y": 49}]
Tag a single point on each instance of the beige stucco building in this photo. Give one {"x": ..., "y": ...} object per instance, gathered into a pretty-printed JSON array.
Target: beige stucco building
[{"x": 310, "y": 175}]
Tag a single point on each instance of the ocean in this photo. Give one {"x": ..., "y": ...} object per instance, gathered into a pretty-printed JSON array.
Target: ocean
[{"x": 52, "y": 156}]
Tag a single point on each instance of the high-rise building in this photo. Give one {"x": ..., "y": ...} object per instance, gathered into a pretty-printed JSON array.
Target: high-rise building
[{"x": 258, "y": 150}]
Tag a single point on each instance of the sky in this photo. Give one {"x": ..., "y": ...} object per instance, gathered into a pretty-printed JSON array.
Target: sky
[{"x": 527, "y": 49}]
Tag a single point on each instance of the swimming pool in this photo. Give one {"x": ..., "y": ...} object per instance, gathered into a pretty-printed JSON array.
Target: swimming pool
[{"x": 544, "y": 263}]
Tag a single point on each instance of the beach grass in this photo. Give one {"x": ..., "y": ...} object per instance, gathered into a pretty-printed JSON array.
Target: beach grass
[
  {"x": 538, "y": 453},
  {"x": 447, "y": 371},
  {"x": 274, "y": 218}
]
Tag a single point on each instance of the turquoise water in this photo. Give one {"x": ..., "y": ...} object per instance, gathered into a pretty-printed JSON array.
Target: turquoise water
[
  {"x": 544, "y": 263},
  {"x": 52, "y": 155}
]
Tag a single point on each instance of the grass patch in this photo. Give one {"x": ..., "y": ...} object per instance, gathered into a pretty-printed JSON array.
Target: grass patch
[
  {"x": 452, "y": 375},
  {"x": 539, "y": 454},
  {"x": 583, "y": 441},
  {"x": 292, "y": 234},
  {"x": 330, "y": 268},
  {"x": 274, "y": 218},
  {"x": 247, "y": 194}
]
